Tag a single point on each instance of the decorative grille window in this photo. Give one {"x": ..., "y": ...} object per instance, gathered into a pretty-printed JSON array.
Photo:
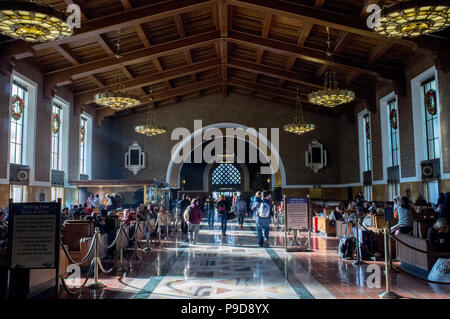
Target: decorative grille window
[{"x": 226, "y": 174}]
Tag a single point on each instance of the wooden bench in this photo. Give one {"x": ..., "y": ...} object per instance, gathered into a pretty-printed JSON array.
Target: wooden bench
[
  {"x": 77, "y": 236},
  {"x": 324, "y": 226},
  {"x": 414, "y": 261}
]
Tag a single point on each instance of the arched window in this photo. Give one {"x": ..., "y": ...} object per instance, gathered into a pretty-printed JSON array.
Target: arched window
[{"x": 226, "y": 174}]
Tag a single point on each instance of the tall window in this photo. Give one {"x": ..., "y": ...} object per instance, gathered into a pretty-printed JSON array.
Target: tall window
[
  {"x": 57, "y": 120},
  {"x": 431, "y": 122},
  {"x": 393, "y": 127},
  {"x": 83, "y": 144},
  {"x": 367, "y": 146},
  {"x": 17, "y": 126}
]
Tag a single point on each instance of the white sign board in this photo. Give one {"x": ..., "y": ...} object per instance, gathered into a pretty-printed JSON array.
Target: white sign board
[
  {"x": 34, "y": 235},
  {"x": 297, "y": 213}
]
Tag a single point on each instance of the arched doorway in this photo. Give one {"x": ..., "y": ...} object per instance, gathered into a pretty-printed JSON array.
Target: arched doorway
[{"x": 226, "y": 178}]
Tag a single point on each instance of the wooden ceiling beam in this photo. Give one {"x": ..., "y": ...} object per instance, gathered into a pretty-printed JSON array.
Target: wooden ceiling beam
[
  {"x": 120, "y": 20},
  {"x": 224, "y": 25},
  {"x": 130, "y": 76},
  {"x": 379, "y": 51},
  {"x": 274, "y": 72},
  {"x": 135, "y": 83},
  {"x": 319, "y": 16},
  {"x": 340, "y": 42},
  {"x": 134, "y": 57},
  {"x": 102, "y": 112},
  {"x": 273, "y": 91},
  {"x": 103, "y": 41},
  {"x": 180, "y": 25},
  {"x": 364, "y": 13},
  {"x": 313, "y": 55},
  {"x": 264, "y": 33},
  {"x": 67, "y": 52}
]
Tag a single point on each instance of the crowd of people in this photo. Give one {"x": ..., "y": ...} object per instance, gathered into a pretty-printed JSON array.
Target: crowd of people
[
  {"x": 189, "y": 212},
  {"x": 404, "y": 213}
]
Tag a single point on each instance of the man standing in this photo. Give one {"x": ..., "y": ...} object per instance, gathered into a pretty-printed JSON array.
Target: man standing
[
  {"x": 240, "y": 207},
  {"x": 193, "y": 222},
  {"x": 211, "y": 212},
  {"x": 261, "y": 210}
]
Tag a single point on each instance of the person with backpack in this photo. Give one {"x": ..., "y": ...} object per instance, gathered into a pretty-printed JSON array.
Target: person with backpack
[
  {"x": 222, "y": 210},
  {"x": 261, "y": 209},
  {"x": 193, "y": 217}
]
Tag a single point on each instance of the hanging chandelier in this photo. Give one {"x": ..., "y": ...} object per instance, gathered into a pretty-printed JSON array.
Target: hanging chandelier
[
  {"x": 116, "y": 97},
  {"x": 413, "y": 18},
  {"x": 33, "y": 22},
  {"x": 299, "y": 126},
  {"x": 331, "y": 95},
  {"x": 151, "y": 128}
]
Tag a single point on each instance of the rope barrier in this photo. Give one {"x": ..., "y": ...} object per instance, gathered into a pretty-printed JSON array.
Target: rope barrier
[
  {"x": 103, "y": 268},
  {"x": 85, "y": 257},
  {"x": 432, "y": 253},
  {"x": 84, "y": 283},
  {"x": 115, "y": 240}
]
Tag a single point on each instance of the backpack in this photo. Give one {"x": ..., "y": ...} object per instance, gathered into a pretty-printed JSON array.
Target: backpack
[
  {"x": 264, "y": 210},
  {"x": 346, "y": 247}
]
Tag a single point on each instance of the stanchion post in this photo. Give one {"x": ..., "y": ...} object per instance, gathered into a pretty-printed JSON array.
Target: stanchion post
[
  {"x": 387, "y": 294},
  {"x": 96, "y": 284},
  {"x": 121, "y": 269},
  {"x": 285, "y": 222},
  {"x": 309, "y": 222},
  {"x": 358, "y": 257}
]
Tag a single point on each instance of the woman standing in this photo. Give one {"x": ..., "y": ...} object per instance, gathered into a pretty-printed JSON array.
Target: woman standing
[{"x": 222, "y": 209}]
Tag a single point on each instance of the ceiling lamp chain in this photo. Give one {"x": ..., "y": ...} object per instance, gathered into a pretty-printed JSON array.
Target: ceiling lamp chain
[
  {"x": 331, "y": 95},
  {"x": 33, "y": 22},
  {"x": 116, "y": 97},
  {"x": 413, "y": 18},
  {"x": 151, "y": 128},
  {"x": 299, "y": 126}
]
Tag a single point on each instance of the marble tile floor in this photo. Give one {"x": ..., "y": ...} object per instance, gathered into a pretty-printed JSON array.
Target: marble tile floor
[{"x": 234, "y": 267}]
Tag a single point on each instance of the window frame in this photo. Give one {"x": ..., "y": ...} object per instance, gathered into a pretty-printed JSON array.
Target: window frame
[
  {"x": 14, "y": 123},
  {"x": 57, "y": 138},
  {"x": 367, "y": 143},
  {"x": 393, "y": 134},
  {"x": 429, "y": 120},
  {"x": 83, "y": 146}
]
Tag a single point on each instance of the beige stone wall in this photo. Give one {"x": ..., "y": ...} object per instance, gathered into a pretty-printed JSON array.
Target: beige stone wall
[{"x": 235, "y": 108}]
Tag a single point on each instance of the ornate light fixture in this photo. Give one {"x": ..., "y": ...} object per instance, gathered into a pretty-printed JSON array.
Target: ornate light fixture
[
  {"x": 116, "y": 97},
  {"x": 151, "y": 128},
  {"x": 299, "y": 126},
  {"x": 331, "y": 95},
  {"x": 413, "y": 18},
  {"x": 33, "y": 22}
]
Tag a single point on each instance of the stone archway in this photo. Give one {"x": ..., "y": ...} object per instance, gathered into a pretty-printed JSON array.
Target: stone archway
[{"x": 174, "y": 169}]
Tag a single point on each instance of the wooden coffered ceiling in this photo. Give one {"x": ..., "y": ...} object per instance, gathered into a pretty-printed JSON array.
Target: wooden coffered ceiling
[{"x": 185, "y": 49}]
